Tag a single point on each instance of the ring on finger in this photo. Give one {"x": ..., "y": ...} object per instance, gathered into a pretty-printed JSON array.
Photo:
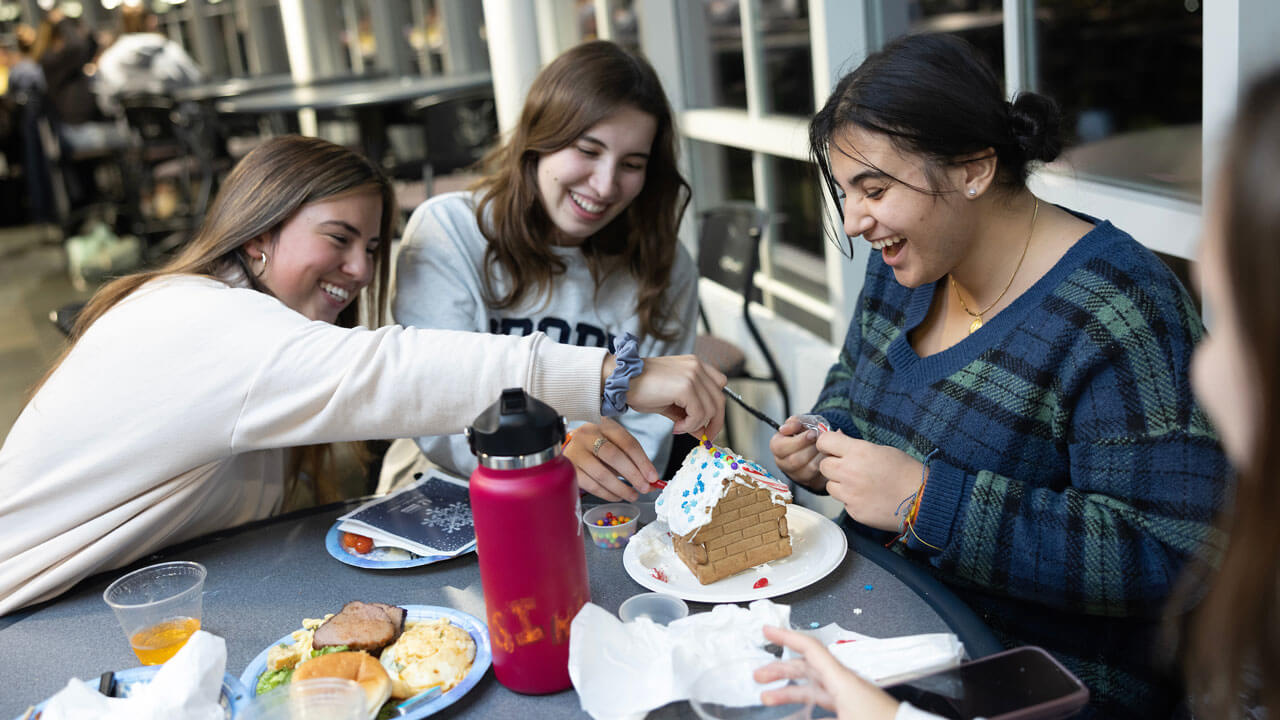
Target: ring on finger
[{"x": 595, "y": 446}]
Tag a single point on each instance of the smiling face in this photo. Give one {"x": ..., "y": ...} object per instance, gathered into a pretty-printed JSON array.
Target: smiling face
[
  {"x": 920, "y": 235},
  {"x": 323, "y": 256},
  {"x": 585, "y": 185},
  {"x": 1221, "y": 371}
]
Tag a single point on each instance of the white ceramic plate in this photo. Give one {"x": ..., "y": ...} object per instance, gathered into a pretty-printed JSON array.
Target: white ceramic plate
[
  {"x": 817, "y": 547},
  {"x": 413, "y": 613}
]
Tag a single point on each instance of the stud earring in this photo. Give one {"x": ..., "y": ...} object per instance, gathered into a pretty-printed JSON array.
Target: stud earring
[{"x": 972, "y": 192}]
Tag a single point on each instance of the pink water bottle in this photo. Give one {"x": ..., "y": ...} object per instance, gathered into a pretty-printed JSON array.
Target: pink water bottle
[{"x": 533, "y": 569}]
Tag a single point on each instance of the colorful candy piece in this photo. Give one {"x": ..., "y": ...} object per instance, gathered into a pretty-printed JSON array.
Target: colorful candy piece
[{"x": 760, "y": 583}]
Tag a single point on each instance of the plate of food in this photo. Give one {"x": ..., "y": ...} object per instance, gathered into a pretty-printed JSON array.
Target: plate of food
[
  {"x": 361, "y": 551},
  {"x": 396, "y": 654},
  {"x": 727, "y": 532},
  {"x": 234, "y": 697}
]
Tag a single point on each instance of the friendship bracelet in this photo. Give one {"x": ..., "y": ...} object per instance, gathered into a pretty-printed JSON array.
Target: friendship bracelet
[
  {"x": 914, "y": 512},
  {"x": 629, "y": 365}
]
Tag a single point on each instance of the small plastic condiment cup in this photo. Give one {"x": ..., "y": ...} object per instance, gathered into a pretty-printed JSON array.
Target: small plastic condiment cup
[
  {"x": 658, "y": 607},
  {"x": 322, "y": 698},
  {"x": 605, "y": 535},
  {"x": 159, "y": 607}
]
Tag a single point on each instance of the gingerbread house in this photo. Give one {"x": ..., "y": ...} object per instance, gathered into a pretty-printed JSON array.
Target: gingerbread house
[{"x": 725, "y": 513}]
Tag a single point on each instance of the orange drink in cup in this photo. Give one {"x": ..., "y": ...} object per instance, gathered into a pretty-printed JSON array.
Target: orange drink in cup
[{"x": 159, "y": 607}]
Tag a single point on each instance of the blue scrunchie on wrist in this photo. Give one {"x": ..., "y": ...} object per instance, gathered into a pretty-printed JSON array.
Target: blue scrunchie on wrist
[{"x": 630, "y": 364}]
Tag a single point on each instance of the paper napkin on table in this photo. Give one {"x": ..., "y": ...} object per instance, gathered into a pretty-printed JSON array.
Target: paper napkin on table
[
  {"x": 885, "y": 661},
  {"x": 430, "y": 517},
  {"x": 188, "y": 686},
  {"x": 623, "y": 670}
]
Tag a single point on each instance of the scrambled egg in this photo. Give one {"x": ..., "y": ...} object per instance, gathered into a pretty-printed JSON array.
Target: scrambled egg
[
  {"x": 428, "y": 653},
  {"x": 287, "y": 656}
]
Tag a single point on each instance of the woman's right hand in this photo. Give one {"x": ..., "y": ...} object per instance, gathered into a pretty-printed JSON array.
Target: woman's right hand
[
  {"x": 831, "y": 685},
  {"x": 796, "y": 453},
  {"x": 684, "y": 389}
]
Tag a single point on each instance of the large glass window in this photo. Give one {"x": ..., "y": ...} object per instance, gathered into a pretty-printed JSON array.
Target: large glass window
[{"x": 1128, "y": 76}]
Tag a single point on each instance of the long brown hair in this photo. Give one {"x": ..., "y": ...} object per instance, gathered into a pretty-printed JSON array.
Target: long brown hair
[
  {"x": 264, "y": 190},
  {"x": 580, "y": 88},
  {"x": 1235, "y": 631}
]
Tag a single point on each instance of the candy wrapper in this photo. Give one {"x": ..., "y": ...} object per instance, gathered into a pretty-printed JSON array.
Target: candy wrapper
[{"x": 188, "y": 686}]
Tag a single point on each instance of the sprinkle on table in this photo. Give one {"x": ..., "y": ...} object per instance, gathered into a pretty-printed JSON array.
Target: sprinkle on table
[{"x": 760, "y": 583}]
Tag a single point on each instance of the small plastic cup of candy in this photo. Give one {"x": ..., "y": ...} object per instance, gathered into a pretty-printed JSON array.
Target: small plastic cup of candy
[
  {"x": 658, "y": 607},
  {"x": 612, "y": 524}
]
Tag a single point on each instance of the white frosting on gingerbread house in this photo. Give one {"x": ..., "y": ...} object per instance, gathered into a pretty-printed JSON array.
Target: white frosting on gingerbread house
[{"x": 689, "y": 498}]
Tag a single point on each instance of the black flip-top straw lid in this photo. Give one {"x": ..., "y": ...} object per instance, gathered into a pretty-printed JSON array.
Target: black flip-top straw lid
[{"x": 517, "y": 424}]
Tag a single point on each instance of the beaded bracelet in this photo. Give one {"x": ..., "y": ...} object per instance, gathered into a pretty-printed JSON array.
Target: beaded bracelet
[{"x": 629, "y": 365}]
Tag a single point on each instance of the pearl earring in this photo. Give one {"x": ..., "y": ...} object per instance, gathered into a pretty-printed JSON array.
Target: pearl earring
[{"x": 972, "y": 192}]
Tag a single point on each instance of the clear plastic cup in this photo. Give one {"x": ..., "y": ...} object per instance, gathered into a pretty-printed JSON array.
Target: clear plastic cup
[
  {"x": 729, "y": 692},
  {"x": 658, "y": 607},
  {"x": 605, "y": 535},
  {"x": 324, "y": 698},
  {"x": 159, "y": 607}
]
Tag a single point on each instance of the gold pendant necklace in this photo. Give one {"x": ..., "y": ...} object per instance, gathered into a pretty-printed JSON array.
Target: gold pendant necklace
[{"x": 977, "y": 316}]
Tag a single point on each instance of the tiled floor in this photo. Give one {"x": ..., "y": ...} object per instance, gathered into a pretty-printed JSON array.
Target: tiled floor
[{"x": 33, "y": 281}]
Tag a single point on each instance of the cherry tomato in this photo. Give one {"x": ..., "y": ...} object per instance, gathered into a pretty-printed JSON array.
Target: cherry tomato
[{"x": 356, "y": 543}]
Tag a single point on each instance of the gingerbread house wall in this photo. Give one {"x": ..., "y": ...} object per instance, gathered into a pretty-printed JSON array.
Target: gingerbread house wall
[{"x": 746, "y": 529}]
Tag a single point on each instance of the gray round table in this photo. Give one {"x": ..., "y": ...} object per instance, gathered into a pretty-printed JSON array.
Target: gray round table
[{"x": 265, "y": 577}]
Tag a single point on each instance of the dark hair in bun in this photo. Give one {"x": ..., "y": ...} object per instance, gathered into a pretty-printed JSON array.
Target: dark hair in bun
[{"x": 934, "y": 95}]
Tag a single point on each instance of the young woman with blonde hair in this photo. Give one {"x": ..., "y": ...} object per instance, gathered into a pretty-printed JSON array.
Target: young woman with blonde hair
[
  {"x": 177, "y": 407},
  {"x": 572, "y": 232}
]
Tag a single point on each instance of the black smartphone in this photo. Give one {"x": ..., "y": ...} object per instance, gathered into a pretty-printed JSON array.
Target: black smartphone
[{"x": 1024, "y": 683}]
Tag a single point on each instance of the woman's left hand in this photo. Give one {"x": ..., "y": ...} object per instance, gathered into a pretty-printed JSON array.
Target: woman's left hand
[
  {"x": 871, "y": 480},
  {"x": 602, "y": 454},
  {"x": 831, "y": 685}
]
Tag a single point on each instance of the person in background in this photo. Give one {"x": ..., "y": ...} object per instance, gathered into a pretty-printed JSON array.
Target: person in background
[
  {"x": 25, "y": 96},
  {"x": 1231, "y": 659},
  {"x": 1012, "y": 401},
  {"x": 141, "y": 61},
  {"x": 573, "y": 233},
  {"x": 193, "y": 396}
]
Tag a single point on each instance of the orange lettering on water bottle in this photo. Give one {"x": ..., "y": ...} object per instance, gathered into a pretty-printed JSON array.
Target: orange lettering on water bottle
[
  {"x": 499, "y": 634},
  {"x": 529, "y": 633}
]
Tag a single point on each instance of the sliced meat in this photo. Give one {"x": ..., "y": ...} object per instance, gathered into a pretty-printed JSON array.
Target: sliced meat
[
  {"x": 359, "y": 626},
  {"x": 397, "y": 615}
]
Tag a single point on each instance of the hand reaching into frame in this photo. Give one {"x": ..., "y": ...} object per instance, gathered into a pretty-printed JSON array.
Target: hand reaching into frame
[
  {"x": 831, "y": 685},
  {"x": 682, "y": 388}
]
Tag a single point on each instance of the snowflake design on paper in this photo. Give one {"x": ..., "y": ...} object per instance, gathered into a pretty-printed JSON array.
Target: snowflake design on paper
[{"x": 451, "y": 518}]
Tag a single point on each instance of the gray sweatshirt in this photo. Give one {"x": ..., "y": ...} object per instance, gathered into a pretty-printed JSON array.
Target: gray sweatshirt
[{"x": 439, "y": 285}]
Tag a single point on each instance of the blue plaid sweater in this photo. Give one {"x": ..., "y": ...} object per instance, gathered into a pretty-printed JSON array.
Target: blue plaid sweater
[{"x": 1074, "y": 472}]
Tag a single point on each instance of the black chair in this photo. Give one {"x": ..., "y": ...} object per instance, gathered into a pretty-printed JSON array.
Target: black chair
[
  {"x": 458, "y": 129},
  {"x": 169, "y": 145},
  {"x": 729, "y": 254}
]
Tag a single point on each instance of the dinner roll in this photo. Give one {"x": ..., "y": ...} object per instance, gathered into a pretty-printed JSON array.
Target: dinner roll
[{"x": 358, "y": 666}]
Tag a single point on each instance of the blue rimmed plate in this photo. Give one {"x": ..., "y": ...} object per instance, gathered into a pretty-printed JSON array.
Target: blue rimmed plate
[
  {"x": 235, "y": 698},
  {"x": 378, "y": 558},
  {"x": 478, "y": 631}
]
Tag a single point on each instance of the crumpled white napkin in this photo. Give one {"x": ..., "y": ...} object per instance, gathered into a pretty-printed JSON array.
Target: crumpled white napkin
[
  {"x": 623, "y": 670},
  {"x": 885, "y": 661},
  {"x": 188, "y": 686}
]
